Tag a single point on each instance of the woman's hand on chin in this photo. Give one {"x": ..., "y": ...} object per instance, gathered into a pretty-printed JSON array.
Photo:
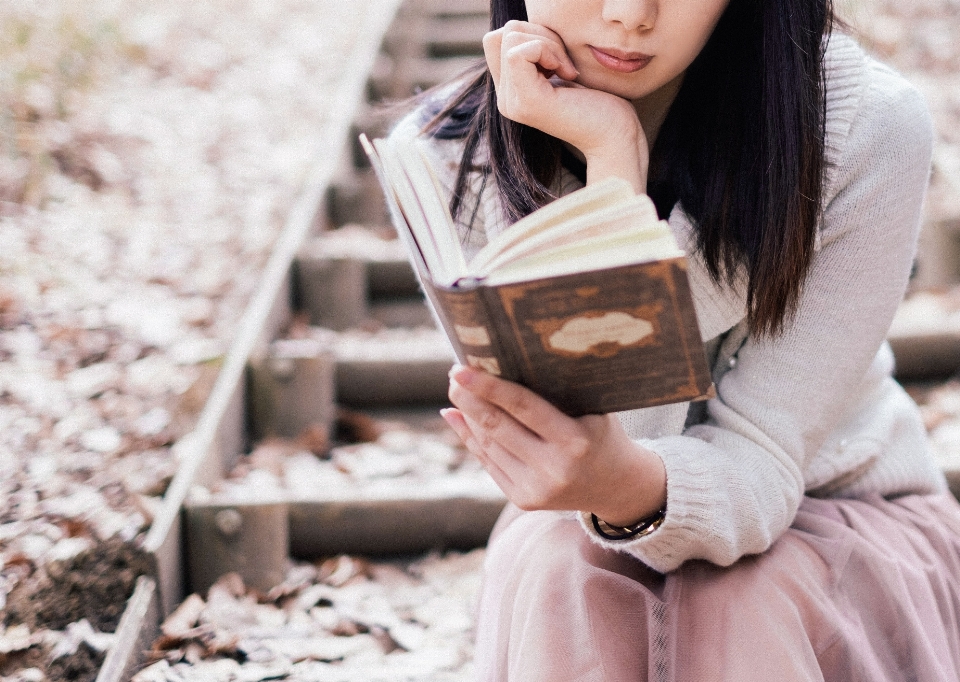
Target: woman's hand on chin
[
  {"x": 535, "y": 81},
  {"x": 543, "y": 459}
]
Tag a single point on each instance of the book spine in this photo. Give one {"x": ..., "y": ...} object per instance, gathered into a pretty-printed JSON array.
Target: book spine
[{"x": 476, "y": 337}]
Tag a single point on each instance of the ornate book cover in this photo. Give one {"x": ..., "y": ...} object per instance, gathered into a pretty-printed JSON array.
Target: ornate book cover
[{"x": 591, "y": 341}]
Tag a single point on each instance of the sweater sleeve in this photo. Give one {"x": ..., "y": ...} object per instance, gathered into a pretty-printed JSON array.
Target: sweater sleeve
[{"x": 735, "y": 481}]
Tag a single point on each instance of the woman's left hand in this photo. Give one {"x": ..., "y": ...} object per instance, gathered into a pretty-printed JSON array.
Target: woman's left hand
[{"x": 543, "y": 459}]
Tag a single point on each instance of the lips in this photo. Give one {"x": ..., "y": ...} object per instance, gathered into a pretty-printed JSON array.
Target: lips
[{"x": 618, "y": 60}]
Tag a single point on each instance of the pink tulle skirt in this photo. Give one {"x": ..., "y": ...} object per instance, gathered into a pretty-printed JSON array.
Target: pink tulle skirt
[{"x": 855, "y": 590}]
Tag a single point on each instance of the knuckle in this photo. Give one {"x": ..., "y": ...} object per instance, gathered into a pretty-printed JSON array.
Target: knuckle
[
  {"x": 520, "y": 401},
  {"x": 484, "y": 442},
  {"x": 578, "y": 447},
  {"x": 490, "y": 420},
  {"x": 514, "y": 53}
]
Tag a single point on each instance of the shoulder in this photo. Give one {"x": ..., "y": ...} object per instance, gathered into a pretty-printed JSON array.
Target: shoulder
[{"x": 877, "y": 123}]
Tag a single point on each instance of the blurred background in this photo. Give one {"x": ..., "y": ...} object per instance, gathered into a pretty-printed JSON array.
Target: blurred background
[{"x": 181, "y": 198}]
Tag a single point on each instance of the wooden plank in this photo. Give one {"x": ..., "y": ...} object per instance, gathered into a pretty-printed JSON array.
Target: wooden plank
[
  {"x": 137, "y": 629},
  {"x": 423, "y": 74},
  {"x": 449, "y": 7},
  {"x": 398, "y": 312},
  {"x": 245, "y": 538},
  {"x": 456, "y": 36},
  {"x": 392, "y": 279},
  {"x": 390, "y": 526},
  {"x": 291, "y": 390},
  {"x": 417, "y": 73},
  {"x": 922, "y": 357},
  {"x": 372, "y": 383},
  {"x": 357, "y": 198}
]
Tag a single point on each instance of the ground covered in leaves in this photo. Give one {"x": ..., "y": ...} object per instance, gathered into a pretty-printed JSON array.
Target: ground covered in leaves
[
  {"x": 148, "y": 153},
  {"x": 342, "y": 620}
]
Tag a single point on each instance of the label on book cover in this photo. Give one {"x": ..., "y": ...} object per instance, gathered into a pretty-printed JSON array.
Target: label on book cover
[
  {"x": 487, "y": 364},
  {"x": 472, "y": 336},
  {"x": 604, "y": 341},
  {"x": 600, "y": 334}
]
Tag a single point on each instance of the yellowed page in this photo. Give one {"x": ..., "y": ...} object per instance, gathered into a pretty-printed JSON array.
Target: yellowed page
[
  {"x": 636, "y": 216},
  {"x": 590, "y": 198},
  {"x": 599, "y": 253},
  {"x": 434, "y": 208},
  {"x": 412, "y": 210}
]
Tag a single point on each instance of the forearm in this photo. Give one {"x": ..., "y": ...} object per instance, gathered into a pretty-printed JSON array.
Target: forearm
[
  {"x": 623, "y": 158},
  {"x": 636, "y": 486}
]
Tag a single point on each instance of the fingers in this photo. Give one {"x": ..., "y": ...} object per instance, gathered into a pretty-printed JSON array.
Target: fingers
[
  {"x": 518, "y": 50},
  {"x": 491, "y": 423},
  {"x": 507, "y": 408},
  {"x": 492, "y": 43},
  {"x": 513, "y": 47},
  {"x": 494, "y": 463}
]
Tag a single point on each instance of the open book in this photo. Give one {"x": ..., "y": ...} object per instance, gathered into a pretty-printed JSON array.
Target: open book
[{"x": 585, "y": 301}]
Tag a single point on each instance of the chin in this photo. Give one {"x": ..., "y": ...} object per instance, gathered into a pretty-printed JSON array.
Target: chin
[
  {"x": 630, "y": 91},
  {"x": 628, "y": 86}
]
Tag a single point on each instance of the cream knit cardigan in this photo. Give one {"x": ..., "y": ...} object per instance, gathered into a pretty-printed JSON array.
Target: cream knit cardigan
[{"x": 814, "y": 411}]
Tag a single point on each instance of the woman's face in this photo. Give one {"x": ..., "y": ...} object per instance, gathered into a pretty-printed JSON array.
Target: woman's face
[{"x": 629, "y": 48}]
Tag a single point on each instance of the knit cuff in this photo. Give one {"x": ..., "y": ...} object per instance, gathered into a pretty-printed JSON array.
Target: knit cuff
[{"x": 693, "y": 501}]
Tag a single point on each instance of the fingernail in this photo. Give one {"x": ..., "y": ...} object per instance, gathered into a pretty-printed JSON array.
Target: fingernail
[
  {"x": 448, "y": 416},
  {"x": 462, "y": 375}
]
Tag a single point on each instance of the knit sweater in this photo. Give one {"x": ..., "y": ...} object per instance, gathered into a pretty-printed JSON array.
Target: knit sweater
[{"x": 814, "y": 410}]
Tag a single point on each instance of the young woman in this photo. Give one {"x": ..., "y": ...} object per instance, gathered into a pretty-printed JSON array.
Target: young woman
[{"x": 795, "y": 527}]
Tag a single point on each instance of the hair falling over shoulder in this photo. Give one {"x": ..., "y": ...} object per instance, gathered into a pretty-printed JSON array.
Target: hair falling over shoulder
[{"x": 741, "y": 150}]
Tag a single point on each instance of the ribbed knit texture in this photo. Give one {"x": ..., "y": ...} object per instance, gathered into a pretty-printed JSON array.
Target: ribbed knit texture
[{"x": 814, "y": 410}]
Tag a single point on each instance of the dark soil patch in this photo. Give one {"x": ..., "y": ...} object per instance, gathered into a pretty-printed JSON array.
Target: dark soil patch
[
  {"x": 34, "y": 657},
  {"x": 82, "y": 666},
  {"x": 94, "y": 585}
]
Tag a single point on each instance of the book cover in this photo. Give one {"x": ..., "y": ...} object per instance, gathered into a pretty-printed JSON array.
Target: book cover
[{"x": 591, "y": 342}]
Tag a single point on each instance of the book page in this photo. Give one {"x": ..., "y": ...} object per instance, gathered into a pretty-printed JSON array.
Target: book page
[
  {"x": 404, "y": 230},
  {"x": 582, "y": 202},
  {"x": 635, "y": 216},
  {"x": 430, "y": 195},
  {"x": 411, "y": 209},
  {"x": 597, "y": 253}
]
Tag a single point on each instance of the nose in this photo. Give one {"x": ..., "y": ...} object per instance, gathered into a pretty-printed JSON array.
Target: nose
[{"x": 633, "y": 14}]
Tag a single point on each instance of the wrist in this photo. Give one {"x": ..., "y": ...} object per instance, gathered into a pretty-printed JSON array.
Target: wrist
[
  {"x": 639, "y": 494},
  {"x": 639, "y": 529},
  {"x": 626, "y": 159}
]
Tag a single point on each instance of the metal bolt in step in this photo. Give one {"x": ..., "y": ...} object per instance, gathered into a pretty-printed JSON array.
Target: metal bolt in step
[{"x": 229, "y": 522}]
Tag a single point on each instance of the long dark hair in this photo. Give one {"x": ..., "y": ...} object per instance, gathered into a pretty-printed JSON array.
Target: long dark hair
[{"x": 741, "y": 150}]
